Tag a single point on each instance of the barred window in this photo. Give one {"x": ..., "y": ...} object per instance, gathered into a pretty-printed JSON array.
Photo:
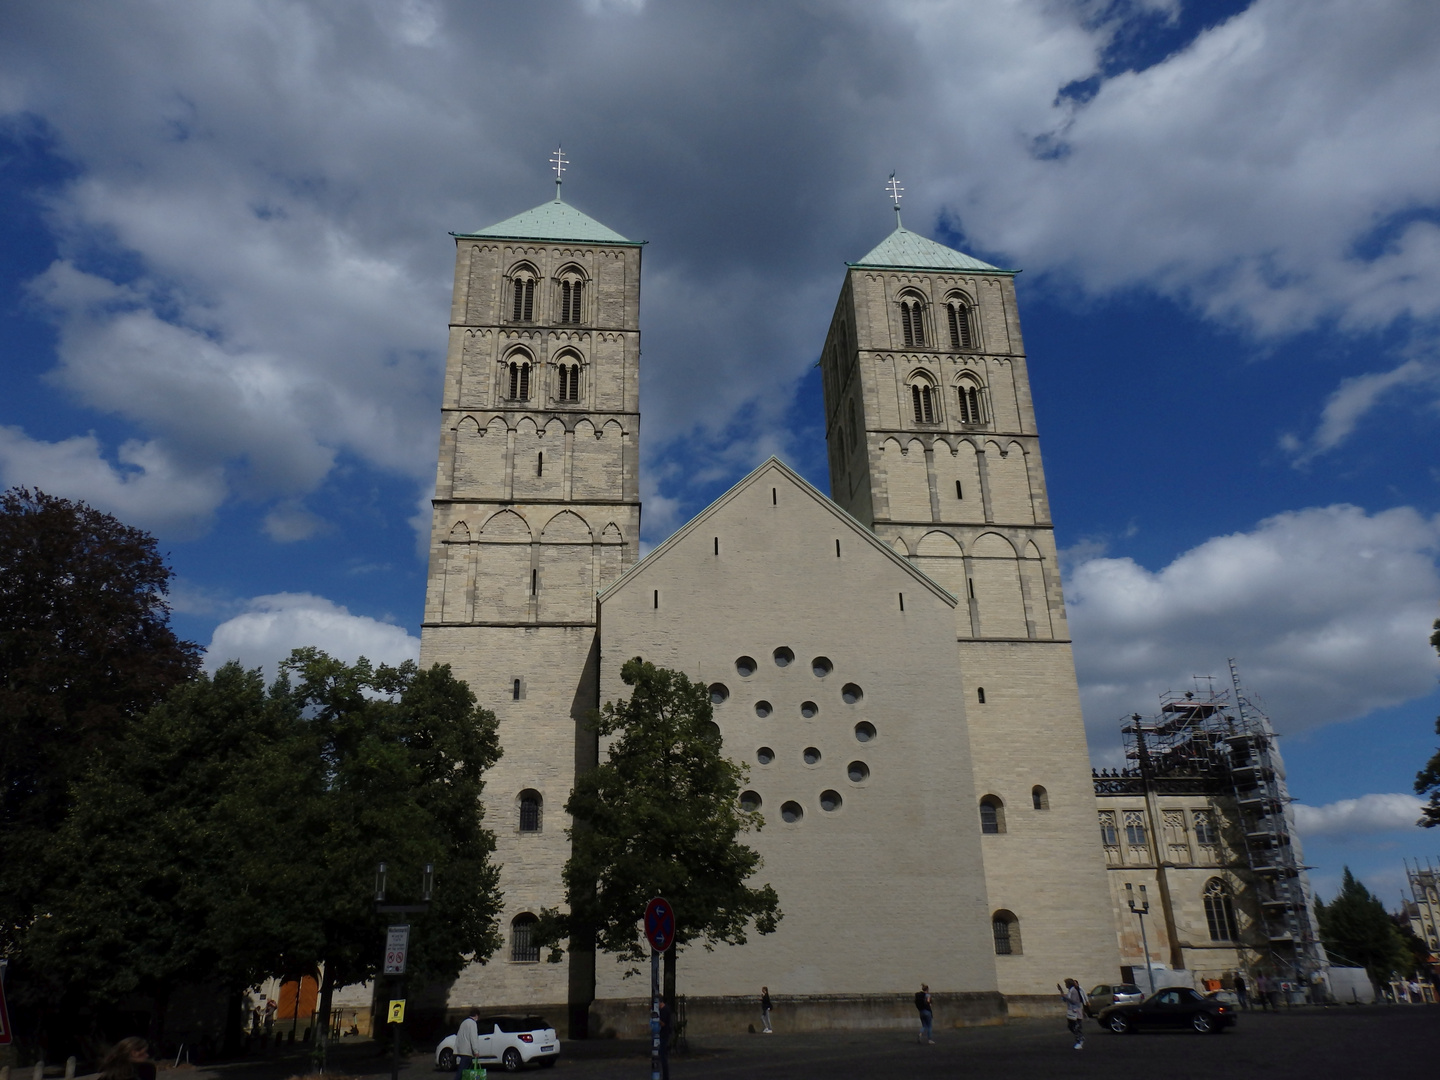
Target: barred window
[
  {"x": 523, "y": 286},
  {"x": 1006, "y": 928},
  {"x": 523, "y": 947},
  {"x": 571, "y": 293},
  {"x": 519, "y": 381},
  {"x": 1220, "y": 911},
  {"x": 969, "y": 402},
  {"x": 569, "y": 389},
  {"x": 923, "y": 399},
  {"x": 530, "y": 804}
]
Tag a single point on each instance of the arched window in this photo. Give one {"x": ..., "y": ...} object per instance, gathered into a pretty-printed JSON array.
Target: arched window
[
  {"x": 519, "y": 374},
  {"x": 522, "y": 281},
  {"x": 572, "y": 286},
  {"x": 992, "y": 815},
  {"x": 1006, "y": 928},
  {"x": 1220, "y": 911},
  {"x": 969, "y": 397},
  {"x": 530, "y": 805},
  {"x": 912, "y": 319},
  {"x": 523, "y": 947},
  {"x": 979, "y": 690},
  {"x": 568, "y": 370},
  {"x": 958, "y": 314},
  {"x": 1039, "y": 798},
  {"x": 922, "y": 397}
]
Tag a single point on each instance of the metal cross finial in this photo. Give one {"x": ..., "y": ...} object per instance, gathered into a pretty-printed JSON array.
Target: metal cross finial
[
  {"x": 558, "y": 161},
  {"x": 894, "y": 188}
]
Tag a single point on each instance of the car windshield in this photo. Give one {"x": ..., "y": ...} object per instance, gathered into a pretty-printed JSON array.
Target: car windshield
[{"x": 1128, "y": 988}]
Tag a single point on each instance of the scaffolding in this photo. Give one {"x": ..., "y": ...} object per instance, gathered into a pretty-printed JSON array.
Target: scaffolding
[
  {"x": 1422, "y": 909},
  {"x": 1223, "y": 740}
]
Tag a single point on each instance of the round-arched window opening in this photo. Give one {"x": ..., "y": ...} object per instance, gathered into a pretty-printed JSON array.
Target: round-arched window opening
[
  {"x": 821, "y": 666},
  {"x": 1006, "y": 928},
  {"x": 808, "y": 709},
  {"x": 749, "y": 801},
  {"x": 764, "y": 755},
  {"x": 812, "y": 756},
  {"x": 851, "y": 693},
  {"x": 719, "y": 692},
  {"x": 992, "y": 815},
  {"x": 791, "y": 812},
  {"x": 784, "y": 657},
  {"x": 530, "y": 804},
  {"x": 858, "y": 772},
  {"x": 1040, "y": 798},
  {"x": 763, "y": 709},
  {"x": 830, "y": 801},
  {"x": 745, "y": 666},
  {"x": 864, "y": 731},
  {"x": 713, "y": 730},
  {"x": 980, "y": 695}
]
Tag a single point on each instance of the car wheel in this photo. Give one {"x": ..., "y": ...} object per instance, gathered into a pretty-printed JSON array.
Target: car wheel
[
  {"x": 1202, "y": 1023},
  {"x": 511, "y": 1060},
  {"x": 446, "y": 1060},
  {"x": 1118, "y": 1024}
]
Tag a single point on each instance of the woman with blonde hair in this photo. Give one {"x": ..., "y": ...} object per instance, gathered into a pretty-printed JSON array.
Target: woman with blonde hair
[{"x": 128, "y": 1059}]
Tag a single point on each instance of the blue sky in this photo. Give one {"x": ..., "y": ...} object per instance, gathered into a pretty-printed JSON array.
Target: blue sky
[{"x": 224, "y": 278}]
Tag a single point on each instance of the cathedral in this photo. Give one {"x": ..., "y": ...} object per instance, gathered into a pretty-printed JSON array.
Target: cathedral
[{"x": 891, "y": 660}]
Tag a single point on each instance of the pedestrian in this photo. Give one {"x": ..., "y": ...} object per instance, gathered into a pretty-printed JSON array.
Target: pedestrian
[
  {"x": 467, "y": 1042},
  {"x": 1074, "y": 999},
  {"x": 128, "y": 1059},
  {"x": 667, "y": 1025},
  {"x": 927, "y": 1014},
  {"x": 765, "y": 1011},
  {"x": 1242, "y": 995}
]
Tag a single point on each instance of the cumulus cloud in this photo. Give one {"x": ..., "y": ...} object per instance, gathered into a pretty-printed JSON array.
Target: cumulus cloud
[
  {"x": 1352, "y": 400},
  {"x": 1358, "y": 817},
  {"x": 271, "y": 626},
  {"x": 1326, "y": 609}
]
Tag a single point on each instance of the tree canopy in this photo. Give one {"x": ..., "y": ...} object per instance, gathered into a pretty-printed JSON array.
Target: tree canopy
[
  {"x": 1427, "y": 781},
  {"x": 1357, "y": 930},
  {"x": 660, "y": 816}
]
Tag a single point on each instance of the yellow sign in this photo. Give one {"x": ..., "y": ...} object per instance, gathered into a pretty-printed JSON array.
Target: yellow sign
[{"x": 397, "y": 1011}]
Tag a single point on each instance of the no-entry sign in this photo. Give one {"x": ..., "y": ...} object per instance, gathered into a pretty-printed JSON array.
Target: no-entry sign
[
  {"x": 397, "y": 944},
  {"x": 659, "y": 924}
]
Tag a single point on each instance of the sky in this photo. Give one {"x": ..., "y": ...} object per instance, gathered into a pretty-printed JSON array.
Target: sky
[{"x": 225, "y": 281}]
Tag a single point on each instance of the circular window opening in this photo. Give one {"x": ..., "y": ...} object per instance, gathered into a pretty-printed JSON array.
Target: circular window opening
[
  {"x": 864, "y": 731},
  {"x": 830, "y": 801},
  {"x": 713, "y": 730},
  {"x": 858, "y": 772},
  {"x": 764, "y": 755},
  {"x": 745, "y": 666},
  {"x": 718, "y": 693},
  {"x": 791, "y": 812},
  {"x": 812, "y": 756},
  {"x": 821, "y": 666},
  {"x": 763, "y": 709},
  {"x": 784, "y": 657},
  {"x": 808, "y": 709},
  {"x": 851, "y": 693},
  {"x": 749, "y": 801}
]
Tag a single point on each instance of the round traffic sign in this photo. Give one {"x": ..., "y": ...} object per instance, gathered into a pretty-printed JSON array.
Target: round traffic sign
[{"x": 659, "y": 924}]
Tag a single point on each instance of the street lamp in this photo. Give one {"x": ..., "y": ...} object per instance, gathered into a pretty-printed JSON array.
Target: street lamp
[
  {"x": 397, "y": 948},
  {"x": 1142, "y": 909}
]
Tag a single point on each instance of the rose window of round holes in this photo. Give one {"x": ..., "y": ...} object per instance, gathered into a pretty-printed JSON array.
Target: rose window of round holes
[
  {"x": 745, "y": 666},
  {"x": 791, "y": 812},
  {"x": 763, "y": 709},
  {"x": 784, "y": 657},
  {"x": 821, "y": 666},
  {"x": 808, "y": 709},
  {"x": 764, "y": 755},
  {"x": 718, "y": 693},
  {"x": 812, "y": 756},
  {"x": 851, "y": 693},
  {"x": 830, "y": 801},
  {"x": 858, "y": 772},
  {"x": 749, "y": 801},
  {"x": 864, "y": 731}
]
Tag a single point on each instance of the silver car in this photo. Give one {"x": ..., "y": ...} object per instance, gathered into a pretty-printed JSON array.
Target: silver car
[
  {"x": 512, "y": 1042},
  {"x": 1107, "y": 994}
]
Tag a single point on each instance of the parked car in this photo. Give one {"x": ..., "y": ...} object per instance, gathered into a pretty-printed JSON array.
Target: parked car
[
  {"x": 1173, "y": 1007},
  {"x": 1224, "y": 997},
  {"x": 1107, "y": 994},
  {"x": 512, "y": 1042}
]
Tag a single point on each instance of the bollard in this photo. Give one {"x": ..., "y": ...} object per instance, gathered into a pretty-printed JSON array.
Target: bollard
[
  {"x": 38, "y": 1073},
  {"x": 4, "y": 1072},
  {"x": 70, "y": 1064}
]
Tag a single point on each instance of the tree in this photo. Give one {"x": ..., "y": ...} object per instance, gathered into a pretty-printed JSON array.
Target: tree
[
  {"x": 659, "y": 817},
  {"x": 1356, "y": 929},
  {"x": 85, "y": 647},
  {"x": 1427, "y": 781}
]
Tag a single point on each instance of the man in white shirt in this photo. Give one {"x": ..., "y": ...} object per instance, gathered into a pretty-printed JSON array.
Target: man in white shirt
[
  {"x": 1074, "y": 999},
  {"x": 467, "y": 1042}
]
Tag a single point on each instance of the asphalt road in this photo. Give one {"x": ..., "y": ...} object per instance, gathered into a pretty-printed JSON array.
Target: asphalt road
[{"x": 1384, "y": 1042}]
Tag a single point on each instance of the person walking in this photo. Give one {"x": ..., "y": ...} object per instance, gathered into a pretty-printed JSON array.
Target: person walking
[
  {"x": 1074, "y": 999},
  {"x": 467, "y": 1042},
  {"x": 1242, "y": 994},
  {"x": 927, "y": 1014},
  {"x": 765, "y": 1028}
]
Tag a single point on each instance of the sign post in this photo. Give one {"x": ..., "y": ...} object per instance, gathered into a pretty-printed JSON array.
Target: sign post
[
  {"x": 5, "y": 1037},
  {"x": 660, "y": 931},
  {"x": 397, "y": 946}
]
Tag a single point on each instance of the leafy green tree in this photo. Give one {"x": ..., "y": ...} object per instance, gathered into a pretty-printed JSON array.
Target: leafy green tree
[
  {"x": 1427, "y": 781},
  {"x": 659, "y": 817},
  {"x": 85, "y": 647},
  {"x": 1356, "y": 929}
]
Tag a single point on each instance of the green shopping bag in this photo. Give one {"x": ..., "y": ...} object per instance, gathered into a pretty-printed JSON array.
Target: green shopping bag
[{"x": 475, "y": 1072}]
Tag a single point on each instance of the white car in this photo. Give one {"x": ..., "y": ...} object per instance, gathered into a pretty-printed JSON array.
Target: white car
[{"x": 512, "y": 1042}]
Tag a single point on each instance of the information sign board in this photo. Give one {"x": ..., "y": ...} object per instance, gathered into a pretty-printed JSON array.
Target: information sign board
[{"x": 397, "y": 944}]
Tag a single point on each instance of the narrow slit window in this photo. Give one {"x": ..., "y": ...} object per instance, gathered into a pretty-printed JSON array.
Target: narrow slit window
[
  {"x": 959, "y": 491},
  {"x": 774, "y": 497},
  {"x": 912, "y": 326},
  {"x": 902, "y": 601},
  {"x": 657, "y": 599},
  {"x": 971, "y": 583},
  {"x": 524, "y": 382},
  {"x": 534, "y": 582},
  {"x": 523, "y": 309},
  {"x": 717, "y": 545},
  {"x": 915, "y": 401},
  {"x": 515, "y": 691},
  {"x": 540, "y": 464},
  {"x": 837, "y": 547},
  {"x": 959, "y": 325},
  {"x": 980, "y": 695},
  {"x": 969, "y": 401}
]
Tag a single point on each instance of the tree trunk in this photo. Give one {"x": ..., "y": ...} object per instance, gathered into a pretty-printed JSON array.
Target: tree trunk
[
  {"x": 322, "y": 1018},
  {"x": 234, "y": 1022}
]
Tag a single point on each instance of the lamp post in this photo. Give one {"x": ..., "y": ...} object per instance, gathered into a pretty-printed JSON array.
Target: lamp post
[
  {"x": 397, "y": 949},
  {"x": 1141, "y": 910}
]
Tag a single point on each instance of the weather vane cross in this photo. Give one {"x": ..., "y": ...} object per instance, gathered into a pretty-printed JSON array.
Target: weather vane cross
[
  {"x": 894, "y": 189},
  {"x": 558, "y": 161}
]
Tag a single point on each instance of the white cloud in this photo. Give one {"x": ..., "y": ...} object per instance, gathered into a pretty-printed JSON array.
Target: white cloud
[
  {"x": 1358, "y": 817},
  {"x": 1327, "y": 610},
  {"x": 1352, "y": 400},
  {"x": 290, "y": 521},
  {"x": 272, "y": 626}
]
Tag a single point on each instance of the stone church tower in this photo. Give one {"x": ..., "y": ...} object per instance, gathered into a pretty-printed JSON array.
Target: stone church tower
[
  {"x": 537, "y": 508},
  {"x": 933, "y": 444}
]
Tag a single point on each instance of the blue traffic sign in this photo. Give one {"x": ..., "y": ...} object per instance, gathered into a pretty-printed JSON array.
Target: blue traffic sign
[{"x": 659, "y": 924}]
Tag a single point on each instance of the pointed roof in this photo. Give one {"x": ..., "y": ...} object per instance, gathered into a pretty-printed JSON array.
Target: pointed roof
[
  {"x": 905, "y": 250},
  {"x": 554, "y": 220}
]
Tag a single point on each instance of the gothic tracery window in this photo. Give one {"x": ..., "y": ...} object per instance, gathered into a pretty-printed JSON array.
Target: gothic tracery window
[
  {"x": 1135, "y": 828},
  {"x": 1220, "y": 911}
]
